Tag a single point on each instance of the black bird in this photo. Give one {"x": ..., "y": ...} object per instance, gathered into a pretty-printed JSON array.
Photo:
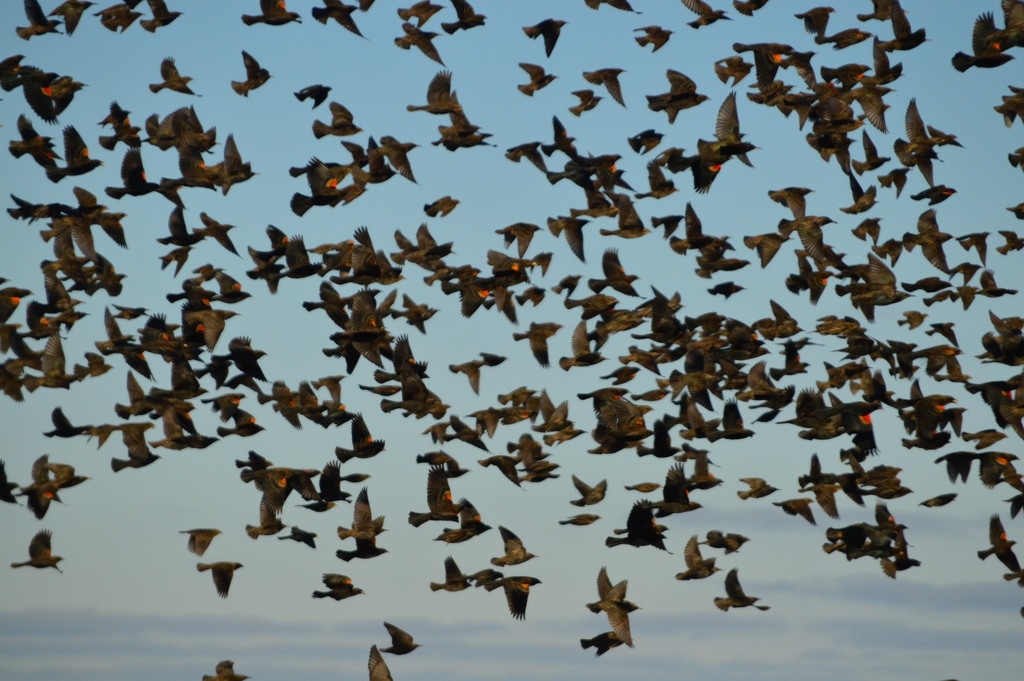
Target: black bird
[
  {"x": 550, "y": 29},
  {"x": 317, "y": 93}
]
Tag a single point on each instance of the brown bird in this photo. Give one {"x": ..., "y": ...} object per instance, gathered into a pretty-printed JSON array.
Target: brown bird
[
  {"x": 653, "y": 35},
  {"x": 38, "y": 23},
  {"x": 378, "y": 668},
  {"x": 517, "y": 592},
  {"x": 706, "y": 15},
  {"x": 454, "y": 579},
  {"x": 539, "y": 79},
  {"x": 609, "y": 78},
  {"x": 161, "y": 16},
  {"x": 800, "y": 507},
  {"x": 118, "y": 17},
  {"x": 255, "y": 75},
  {"x": 515, "y": 552},
  {"x": 422, "y": 40},
  {"x": 222, "y": 573},
  {"x": 401, "y": 641},
  {"x": 422, "y": 11},
  {"x": 612, "y": 601},
  {"x": 735, "y": 597},
  {"x": 697, "y": 567},
  {"x": 199, "y": 539},
  {"x": 172, "y": 79},
  {"x": 39, "y": 553}
]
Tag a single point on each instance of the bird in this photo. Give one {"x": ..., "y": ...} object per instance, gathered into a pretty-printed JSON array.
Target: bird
[
  {"x": 609, "y": 78},
  {"x": 735, "y": 597},
  {"x": 589, "y": 494},
  {"x": 454, "y": 579},
  {"x": 76, "y": 157},
  {"x": 39, "y": 552},
  {"x": 641, "y": 529},
  {"x": 222, "y": 572},
  {"x": 172, "y": 79},
  {"x": 550, "y": 29},
  {"x": 38, "y": 23},
  {"x": 515, "y": 552},
  {"x": 421, "y": 40},
  {"x": 401, "y": 641},
  {"x": 272, "y": 13},
  {"x": 378, "y": 668},
  {"x": 612, "y": 601},
  {"x": 255, "y": 76},
  {"x": 706, "y": 15},
  {"x": 1001, "y": 547},
  {"x": 199, "y": 539},
  {"x": 339, "y": 587},
  {"x": 317, "y": 93},
  {"x": 539, "y": 78},
  {"x": 225, "y": 670},
  {"x": 697, "y": 567},
  {"x": 653, "y": 35},
  {"x": 517, "y": 593},
  {"x": 602, "y": 643},
  {"x": 341, "y": 13},
  {"x": 422, "y": 11},
  {"x": 118, "y": 17}
]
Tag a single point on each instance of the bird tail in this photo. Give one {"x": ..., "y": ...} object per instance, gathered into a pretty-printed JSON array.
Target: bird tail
[
  {"x": 962, "y": 62},
  {"x": 301, "y": 203},
  {"x": 321, "y": 129}
]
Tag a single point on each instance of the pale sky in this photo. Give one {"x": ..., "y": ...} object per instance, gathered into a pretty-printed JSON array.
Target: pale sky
[{"x": 130, "y": 603}]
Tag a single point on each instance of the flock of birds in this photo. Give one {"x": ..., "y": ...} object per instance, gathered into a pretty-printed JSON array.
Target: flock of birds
[{"x": 697, "y": 370}]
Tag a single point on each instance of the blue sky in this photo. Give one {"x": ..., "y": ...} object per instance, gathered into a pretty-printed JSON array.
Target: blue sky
[{"x": 130, "y": 600}]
